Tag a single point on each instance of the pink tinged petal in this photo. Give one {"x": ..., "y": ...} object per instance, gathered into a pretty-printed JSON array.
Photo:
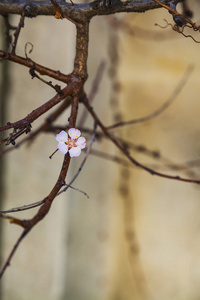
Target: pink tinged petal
[
  {"x": 81, "y": 142},
  {"x": 62, "y": 137},
  {"x": 74, "y": 133},
  {"x": 75, "y": 151},
  {"x": 62, "y": 147}
]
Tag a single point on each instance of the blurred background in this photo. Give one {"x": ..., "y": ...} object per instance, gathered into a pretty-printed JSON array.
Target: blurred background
[{"x": 137, "y": 236}]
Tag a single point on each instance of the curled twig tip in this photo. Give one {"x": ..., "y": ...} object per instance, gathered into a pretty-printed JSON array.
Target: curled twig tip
[{"x": 26, "y": 50}]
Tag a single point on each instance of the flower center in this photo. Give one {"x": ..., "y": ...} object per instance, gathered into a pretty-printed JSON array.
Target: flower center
[{"x": 71, "y": 143}]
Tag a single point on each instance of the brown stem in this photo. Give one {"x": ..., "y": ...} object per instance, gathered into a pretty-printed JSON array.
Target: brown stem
[
  {"x": 163, "y": 107},
  {"x": 7, "y": 263},
  {"x": 127, "y": 154},
  {"x": 44, "y": 209},
  {"x": 78, "y": 11},
  {"x": 27, "y": 62},
  {"x": 44, "y": 127},
  {"x": 75, "y": 89},
  {"x": 82, "y": 39},
  {"x": 40, "y": 110},
  {"x": 16, "y": 34}
]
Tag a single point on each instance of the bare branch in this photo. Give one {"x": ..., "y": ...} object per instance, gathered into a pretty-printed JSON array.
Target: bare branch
[
  {"x": 16, "y": 34},
  {"x": 93, "y": 91},
  {"x": 7, "y": 263},
  {"x": 73, "y": 93},
  {"x": 44, "y": 127},
  {"x": 27, "y": 62},
  {"x": 44, "y": 209},
  {"x": 127, "y": 154},
  {"x": 39, "y": 111},
  {"x": 163, "y": 107},
  {"x": 23, "y": 207},
  {"x": 78, "y": 12},
  {"x": 76, "y": 189}
]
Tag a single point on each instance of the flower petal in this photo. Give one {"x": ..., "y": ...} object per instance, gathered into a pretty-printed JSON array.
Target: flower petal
[
  {"x": 62, "y": 137},
  {"x": 81, "y": 142},
  {"x": 62, "y": 147},
  {"x": 75, "y": 151},
  {"x": 74, "y": 133}
]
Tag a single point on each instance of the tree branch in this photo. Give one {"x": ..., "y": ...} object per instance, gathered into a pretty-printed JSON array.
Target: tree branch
[
  {"x": 27, "y": 62},
  {"x": 127, "y": 154},
  {"x": 163, "y": 107},
  {"x": 30, "y": 118},
  {"x": 78, "y": 12}
]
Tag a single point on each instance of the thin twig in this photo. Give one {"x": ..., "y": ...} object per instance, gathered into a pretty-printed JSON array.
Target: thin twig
[
  {"x": 7, "y": 263},
  {"x": 164, "y": 106},
  {"x": 138, "y": 32},
  {"x": 35, "y": 114},
  {"x": 93, "y": 92},
  {"x": 33, "y": 205},
  {"x": 42, "y": 128},
  {"x": 127, "y": 154},
  {"x": 39, "y": 203},
  {"x": 56, "y": 87},
  {"x": 76, "y": 189},
  {"x": 44, "y": 209},
  {"x": 110, "y": 157},
  {"x": 175, "y": 13},
  {"x": 179, "y": 29},
  {"x": 23, "y": 207},
  {"x": 29, "y": 63},
  {"x": 16, "y": 34}
]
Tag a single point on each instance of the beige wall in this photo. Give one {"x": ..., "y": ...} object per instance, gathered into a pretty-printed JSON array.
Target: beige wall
[{"x": 137, "y": 236}]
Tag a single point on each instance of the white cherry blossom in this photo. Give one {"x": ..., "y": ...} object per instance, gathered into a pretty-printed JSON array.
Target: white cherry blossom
[{"x": 71, "y": 141}]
